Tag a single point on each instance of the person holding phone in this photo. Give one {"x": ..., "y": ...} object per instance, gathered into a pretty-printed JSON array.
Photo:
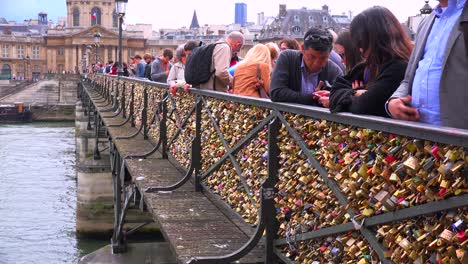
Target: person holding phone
[
  {"x": 300, "y": 74},
  {"x": 385, "y": 48}
]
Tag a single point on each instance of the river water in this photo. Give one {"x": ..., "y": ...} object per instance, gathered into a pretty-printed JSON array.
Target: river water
[{"x": 38, "y": 195}]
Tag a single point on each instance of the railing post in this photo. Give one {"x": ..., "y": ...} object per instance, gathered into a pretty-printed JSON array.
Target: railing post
[
  {"x": 122, "y": 104},
  {"x": 196, "y": 154},
  {"x": 144, "y": 113},
  {"x": 163, "y": 126},
  {"x": 97, "y": 155},
  {"x": 116, "y": 97},
  {"x": 118, "y": 246},
  {"x": 84, "y": 99},
  {"x": 269, "y": 190},
  {"x": 132, "y": 117},
  {"x": 89, "y": 114}
]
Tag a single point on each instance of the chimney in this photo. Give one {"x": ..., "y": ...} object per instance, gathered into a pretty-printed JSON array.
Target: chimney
[
  {"x": 325, "y": 8},
  {"x": 282, "y": 11},
  {"x": 260, "y": 18}
]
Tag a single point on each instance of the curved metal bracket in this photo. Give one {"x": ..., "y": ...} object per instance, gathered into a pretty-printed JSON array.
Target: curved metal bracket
[
  {"x": 126, "y": 120},
  {"x": 147, "y": 154},
  {"x": 131, "y": 136},
  {"x": 115, "y": 114},
  {"x": 174, "y": 186},
  {"x": 266, "y": 204}
]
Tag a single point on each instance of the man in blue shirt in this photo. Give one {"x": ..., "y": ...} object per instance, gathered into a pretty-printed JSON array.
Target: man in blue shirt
[
  {"x": 140, "y": 67},
  {"x": 436, "y": 74}
]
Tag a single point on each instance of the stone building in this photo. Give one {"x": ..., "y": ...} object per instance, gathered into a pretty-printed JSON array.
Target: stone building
[
  {"x": 31, "y": 49},
  {"x": 294, "y": 23}
]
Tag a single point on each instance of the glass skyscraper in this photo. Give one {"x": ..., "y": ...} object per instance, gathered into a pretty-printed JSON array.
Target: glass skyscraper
[{"x": 241, "y": 14}]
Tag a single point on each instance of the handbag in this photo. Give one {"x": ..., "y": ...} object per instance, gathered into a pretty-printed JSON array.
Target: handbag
[{"x": 261, "y": 89}]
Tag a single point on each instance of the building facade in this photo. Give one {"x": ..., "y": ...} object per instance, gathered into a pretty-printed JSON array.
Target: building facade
[{"x": 31, "y": 49}]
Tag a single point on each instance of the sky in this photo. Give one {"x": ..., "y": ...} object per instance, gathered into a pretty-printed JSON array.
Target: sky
[{"x": 174, "y": 14}]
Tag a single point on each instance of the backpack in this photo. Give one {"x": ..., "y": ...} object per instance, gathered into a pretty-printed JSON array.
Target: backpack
[{"x": 198, "y": 65}]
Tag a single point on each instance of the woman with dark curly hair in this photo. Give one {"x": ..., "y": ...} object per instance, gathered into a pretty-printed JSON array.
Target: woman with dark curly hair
[{"x": 385, "y": 48}]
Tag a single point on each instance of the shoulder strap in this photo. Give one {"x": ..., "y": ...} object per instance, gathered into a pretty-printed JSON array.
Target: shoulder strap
[
  {"x": 464, "y": 26},
  {"x": 259, "y": 73}
]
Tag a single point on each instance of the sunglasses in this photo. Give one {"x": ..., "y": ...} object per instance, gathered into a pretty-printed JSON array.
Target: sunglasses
[{"x": 318, "y": 38}]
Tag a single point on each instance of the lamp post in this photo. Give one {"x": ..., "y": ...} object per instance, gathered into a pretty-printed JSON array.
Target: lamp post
[
  {"x": 120, "y": 8},
  {"x": 97, "y": 40}
]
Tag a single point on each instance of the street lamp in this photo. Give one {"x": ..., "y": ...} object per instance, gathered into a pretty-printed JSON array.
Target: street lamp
[
  {"x": 120, "y": 8},
  {"x": 97, "y": 40},
  {"x": 255, "y": 39},
  {"x": 427, "y": 9}
]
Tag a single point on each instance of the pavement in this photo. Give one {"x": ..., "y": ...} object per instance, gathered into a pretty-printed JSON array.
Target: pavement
[{"x": 45, "y": 92}]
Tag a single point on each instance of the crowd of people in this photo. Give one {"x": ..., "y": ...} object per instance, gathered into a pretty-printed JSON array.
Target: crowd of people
[{"x": 373, "y": 68}]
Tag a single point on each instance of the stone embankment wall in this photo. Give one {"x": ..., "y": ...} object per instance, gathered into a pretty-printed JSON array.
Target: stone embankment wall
[
  {"x": 49, "y": 100},
  {"x": 95, "y": 200}
]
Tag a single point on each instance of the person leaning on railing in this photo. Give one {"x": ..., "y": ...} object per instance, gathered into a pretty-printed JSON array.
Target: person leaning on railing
[
  {"x": 252, "y": 75},
  {"x": 435, "y": 87},
  {"x": 176, "y": 77},
  {"x": 386, "y": 49},
  {"x": 299, "y": 76}
]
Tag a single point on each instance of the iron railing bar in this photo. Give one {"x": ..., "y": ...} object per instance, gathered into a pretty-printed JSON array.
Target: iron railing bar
[
  {"x": 445, "y": 135},
  {"x": 322, "y": 172},
  {"x": 177, "y": 116},
  {"x": 429, "y": 132},
  {"x": 239, "y": 145},
  {"x": 400, "y": 215},
  {"x": 234, "y": 162},
  {"x": 322, "y": 232},
  {"x": 182, "y": 126},
  {"x": 368, "y": 235},
  {"x": 419, "y": 210}
]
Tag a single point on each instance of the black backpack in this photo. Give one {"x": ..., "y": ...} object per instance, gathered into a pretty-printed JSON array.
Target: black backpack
[{"x": 198, "y": 66}]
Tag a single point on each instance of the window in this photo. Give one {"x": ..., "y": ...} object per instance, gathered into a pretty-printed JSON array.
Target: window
[
  {"x": 6, "y": 51},
  {"x": 325, "y": 19},
  {"x": 20, "y": 51},
  {"x": 35, "y": 52},
  {"x": 296, "y": 18},
  {"x": 154, "y": 52},
  {"x": 95, "y": 16},
  {"x": 5, "y": 74},
  {"x": 115, "y": 19},
  {"x": 37, "y": 68},
  {"x": 76, "y": 17},
  {"x": 296, "y": 29},
  {"x": 20, "y": 70},
  {"x": 61, "y": 52},
  {"x": 311, "y": 19}
]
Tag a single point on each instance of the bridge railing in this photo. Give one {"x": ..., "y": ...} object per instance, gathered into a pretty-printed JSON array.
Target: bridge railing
[{"x": 323, "y": 187}]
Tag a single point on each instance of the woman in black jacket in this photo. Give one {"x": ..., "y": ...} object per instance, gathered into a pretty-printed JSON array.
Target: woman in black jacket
[{"x": 386, "y": 49}]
